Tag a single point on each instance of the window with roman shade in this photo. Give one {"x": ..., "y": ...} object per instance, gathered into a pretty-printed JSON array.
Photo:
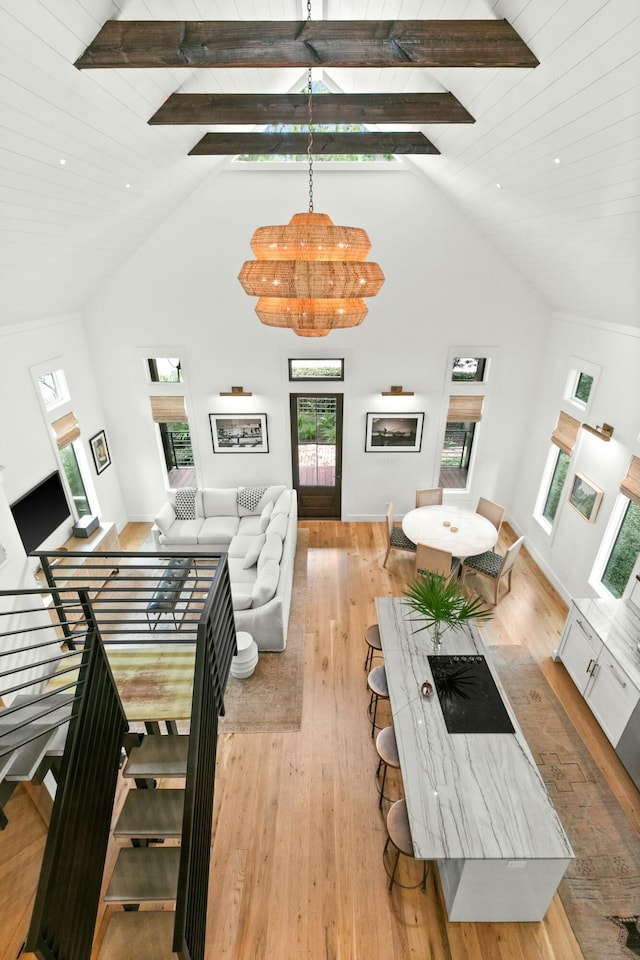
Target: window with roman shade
[
  {"x": 168, "y": 409},
  {"x": 465, "y": 409},
  {"x": 66, "y": 429},
  {"x": 565, "y": 433}
]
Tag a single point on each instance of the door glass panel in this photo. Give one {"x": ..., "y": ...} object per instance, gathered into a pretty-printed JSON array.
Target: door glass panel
[{"x": 316, "y": 419}]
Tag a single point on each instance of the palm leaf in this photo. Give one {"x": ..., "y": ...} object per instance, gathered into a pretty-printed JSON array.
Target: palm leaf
[{"x": 442, "y": 600}]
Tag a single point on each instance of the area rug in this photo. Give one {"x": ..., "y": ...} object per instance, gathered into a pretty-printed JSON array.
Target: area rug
[
  {"x": 601, "y": 888},
  {"x": 271, "y": 698}
]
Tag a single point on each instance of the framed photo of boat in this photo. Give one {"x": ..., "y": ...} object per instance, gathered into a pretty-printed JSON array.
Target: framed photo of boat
[{"x": 400, "y": 432}]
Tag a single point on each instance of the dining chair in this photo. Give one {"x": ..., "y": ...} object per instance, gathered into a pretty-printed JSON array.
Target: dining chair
[
  {"x": 494, "y": 566},
  {"x": 429, "y": 498},
  {"x": 396, "y": 537},
  {"x": 492, "y": 511},
  {"x": 436, "y": 561}
]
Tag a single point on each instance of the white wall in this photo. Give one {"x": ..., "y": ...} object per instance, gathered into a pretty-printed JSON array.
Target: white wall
[
  {"x": 27, "y": 450},
  {"x": 569, "y": 552},
  {"x": 445, "y": 286}
]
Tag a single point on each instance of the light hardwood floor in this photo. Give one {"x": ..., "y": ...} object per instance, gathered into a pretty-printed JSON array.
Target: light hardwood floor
[{"x": 296, "y": 858}]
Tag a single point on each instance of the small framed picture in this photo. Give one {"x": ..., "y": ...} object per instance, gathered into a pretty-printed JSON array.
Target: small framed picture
[
  {"x": 239, "y": 432},
  {"x": 100, "y": 451},
  {"x": 400, "y": 432},
  {"x": 585, "y": 497}
]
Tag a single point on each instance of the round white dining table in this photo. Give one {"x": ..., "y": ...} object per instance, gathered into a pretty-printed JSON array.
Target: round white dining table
[{"x": 462, "y": 532}]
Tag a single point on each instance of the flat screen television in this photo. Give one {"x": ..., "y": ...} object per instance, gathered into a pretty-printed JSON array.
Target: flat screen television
[{"x": 40, "y": 512}]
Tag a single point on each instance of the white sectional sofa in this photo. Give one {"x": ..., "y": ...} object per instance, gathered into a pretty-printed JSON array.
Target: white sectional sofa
[{"x": 257, "y": 527}]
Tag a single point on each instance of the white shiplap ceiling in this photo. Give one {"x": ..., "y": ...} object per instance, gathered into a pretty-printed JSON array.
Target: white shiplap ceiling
[{"x": 572, "y": 227}]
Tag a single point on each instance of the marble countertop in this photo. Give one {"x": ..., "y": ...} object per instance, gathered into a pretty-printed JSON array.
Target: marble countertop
[
  {"x": 469, "y": 796},
  {"x": 617, "y": 623}
]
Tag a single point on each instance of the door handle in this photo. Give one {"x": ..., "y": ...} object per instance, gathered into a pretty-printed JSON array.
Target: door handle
[
  {"x": 613, "y": 671},
  {"x": 589, "y": 666}
]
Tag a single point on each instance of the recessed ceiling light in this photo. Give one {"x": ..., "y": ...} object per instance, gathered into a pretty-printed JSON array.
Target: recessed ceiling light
[
  {"x": 499, "y": 186},
  {"x": 62, "y": 161},
  {"x": 127, "y": 186},
  {"x": 556, "y": 159}
]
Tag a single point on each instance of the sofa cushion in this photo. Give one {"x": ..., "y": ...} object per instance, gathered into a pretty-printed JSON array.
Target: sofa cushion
[
  {"x": 278, "y": 525},
  {"x": 265, "y": 516},
  {"x": 241, "y": 598},
  {"x": 272, "y": 550},
  {"x": 240, "y": 544},
  {"x": 165, "y": 518},
  {"x": 217, "y": 529},
  {"x": 185, "y": 531},
  {"x": 266, "y": 585},
  {"x": 186, "y": 503},
  {"x": 249, "y": 527},
  {"x": 241, "y": 575},
  {"x": 282, "y": 504},
  {"x": 250, "y": 497},
  {"x": 270, "y": 495},
  {"x": 254, "y": 551},
  {"x": 220, "y": 502}
]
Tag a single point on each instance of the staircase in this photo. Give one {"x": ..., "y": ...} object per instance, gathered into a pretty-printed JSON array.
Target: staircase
[{"x": 78, "y": 733}]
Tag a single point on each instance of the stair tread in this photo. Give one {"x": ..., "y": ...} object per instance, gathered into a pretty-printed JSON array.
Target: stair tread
[
  {"x": 143, "y": 934},
  {"x": 144, "y": 873},
  {"x": 27, "y": 757},
  {"x": 151, "y": 813},
  {"x": 159, "y": 755}
]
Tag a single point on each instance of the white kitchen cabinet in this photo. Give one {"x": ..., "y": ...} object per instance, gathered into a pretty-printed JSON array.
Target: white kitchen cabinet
[
  {"x": 579, "y": 649},
  {"x": 608, "y": 689},
  {"x": 611, "y": 696}
]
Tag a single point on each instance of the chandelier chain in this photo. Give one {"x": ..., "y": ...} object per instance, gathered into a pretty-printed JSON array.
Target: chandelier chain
[{"x": 309, "y": 122}]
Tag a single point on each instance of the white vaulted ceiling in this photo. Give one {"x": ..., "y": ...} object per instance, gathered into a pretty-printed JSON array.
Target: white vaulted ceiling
[{"x": 571, "y": 227}]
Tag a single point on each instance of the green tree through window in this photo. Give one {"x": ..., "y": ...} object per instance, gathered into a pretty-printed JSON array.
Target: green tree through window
[
  {"x": 555, "y": 486},
  {"x": 624, "y": 553}
]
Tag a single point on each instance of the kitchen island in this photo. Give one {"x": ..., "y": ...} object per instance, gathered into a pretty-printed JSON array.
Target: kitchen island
[{"x": 476, "y": 802}]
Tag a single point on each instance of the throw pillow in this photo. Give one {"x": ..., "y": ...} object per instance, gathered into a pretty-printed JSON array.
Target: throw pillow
[
  {"x": 252, "y": 554},
  {"x": 279, "y": 525},
  {"x": 186, "y": 503},
  {"x": 265, "y": 516},
  {"x": 249, "y": 497},
  {"x": 165, "y": 518},
  {"x": 283, "y": 503}
]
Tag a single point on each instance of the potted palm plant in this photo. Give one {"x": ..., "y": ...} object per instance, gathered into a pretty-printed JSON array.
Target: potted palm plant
[{"x": 441, "y": 603}]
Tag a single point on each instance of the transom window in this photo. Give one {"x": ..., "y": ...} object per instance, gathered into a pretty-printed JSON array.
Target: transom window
[
  {"x": 324, "y": 369},
  {"x": 165, "y": 369},
  {"x": 469, "y": 368},
  {"x": 53, "y": 388}
]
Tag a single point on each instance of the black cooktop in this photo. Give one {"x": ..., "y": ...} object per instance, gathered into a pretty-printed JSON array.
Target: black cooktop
[{"x": 468, "y": 695}]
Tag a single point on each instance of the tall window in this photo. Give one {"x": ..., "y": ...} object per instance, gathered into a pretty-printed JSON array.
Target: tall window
[
  {"x": 625, "y": 548},
  {"x": 463, "y": 415},
  {"x": 67, "y": 433},
  {"x": 563, "y": 440},
  {"x": 171, "y": 416},
  {"x": 624, "y": 553}
]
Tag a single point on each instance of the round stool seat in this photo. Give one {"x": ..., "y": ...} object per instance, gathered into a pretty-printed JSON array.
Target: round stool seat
[
  {"x": 387, "y": 747},
  {"x": 377, "y": 682},
  {"x": 374, "y": 643},
  {"x": 398, "y": 828},
  {"x": 246, "y": 659},
  {"x": 399, "y": 834}
]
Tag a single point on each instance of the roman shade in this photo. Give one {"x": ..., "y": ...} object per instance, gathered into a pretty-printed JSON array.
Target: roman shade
[
  {"x": 465, "y": 409},
  {"x": 630, "y": 486},
  {"x": 168, "y": 409},
  {"x": 565, "y": 433},
  {"x": 66, "y": 430}
]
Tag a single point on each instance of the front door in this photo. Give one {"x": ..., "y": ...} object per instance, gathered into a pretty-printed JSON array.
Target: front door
[{"x": 316, "y": 450}]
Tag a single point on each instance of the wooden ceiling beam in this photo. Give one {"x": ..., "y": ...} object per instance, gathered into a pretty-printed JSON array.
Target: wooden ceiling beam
[
  {"x": 307, "y": 43},
  {"x": 290, "y": 144},
  {"x": 244, "y": 108}
]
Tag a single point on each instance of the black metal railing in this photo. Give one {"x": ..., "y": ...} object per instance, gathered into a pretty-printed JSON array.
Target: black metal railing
[
  {"x": 66, "y": 905},
  {"x": 215, "y": 649}
]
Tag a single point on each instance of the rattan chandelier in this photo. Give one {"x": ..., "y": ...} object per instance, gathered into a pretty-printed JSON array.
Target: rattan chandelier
[{"x": 310, "y": 275}]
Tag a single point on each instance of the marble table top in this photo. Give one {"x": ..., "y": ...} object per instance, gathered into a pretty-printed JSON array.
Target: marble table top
[
  {"x": 461, "y": 532},
  {"x": 469, "y": 796}
]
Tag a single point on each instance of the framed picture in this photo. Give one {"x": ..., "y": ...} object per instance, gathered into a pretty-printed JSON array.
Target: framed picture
[
  {"x": 100, "y": 451},
  {"x": 585, "y": 497},
  {"x": 401, "y": 432},
  {"x": 239, "y": 432}
]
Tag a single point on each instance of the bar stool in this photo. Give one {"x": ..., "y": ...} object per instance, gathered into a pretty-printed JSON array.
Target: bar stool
[
  {"x": 399, "y": 835},
  {"x": 372, "y": 638},
  {"x": 377, "y": 684},
  {"x": 387, "y": 750}
]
